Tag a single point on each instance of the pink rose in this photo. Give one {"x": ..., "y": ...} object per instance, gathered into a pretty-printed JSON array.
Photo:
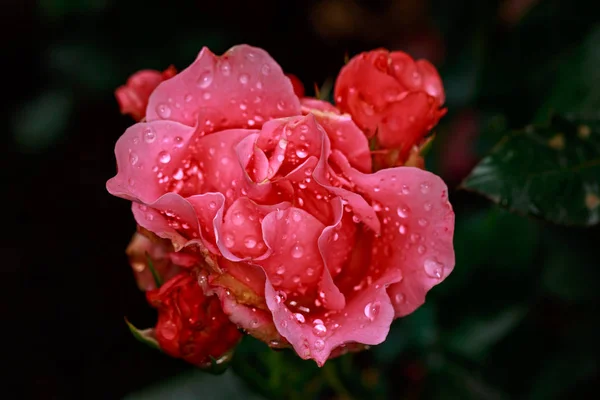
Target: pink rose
[
  {"x": 391, "y": 96},
  {"x": 275, "y": 200}
]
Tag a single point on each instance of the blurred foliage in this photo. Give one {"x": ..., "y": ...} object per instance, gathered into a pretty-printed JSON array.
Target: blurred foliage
[{"x": 517, "y": 317}]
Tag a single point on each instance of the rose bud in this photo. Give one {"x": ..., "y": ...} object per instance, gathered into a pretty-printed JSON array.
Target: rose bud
[
  {"x": 133, "y": 96},
  {"x": 392, "y": 97}
]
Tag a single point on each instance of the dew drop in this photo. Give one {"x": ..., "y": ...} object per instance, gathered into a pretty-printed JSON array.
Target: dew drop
[
  {"x": 319, "y": 328},
  {"x": 433, "y": 268},
  {"x": 266, "y": 70},
  {"x": 281, "y": 105},
  {"x": 427, "y": 206},
  {"x": 163, "y": 111},
  {"x": 336, "y": 236},
  {"x": 301, "y": 152},
  {"x": 238, "y": 218},
  {"x": 149, "y": 135},
  {"x": 205, "y": 79},
  {"x": 398, "y": 298},
  {"x": 244, "y": 78},
  {"x": 164, "y": 157},
  {"x": 280, "y": 297},
  {"x": 372, "y": 310},
  {"x": 423, "y": 222},
  {"x": 225, "y": 67},
  {"x": 178, "y": 141},
  {"x": 212, "y": 205},
  {"x": 178, "y": 175},
  {"x": 229, "y": 241},
  {"x": 414, "y": 237},
  {"x": 310, "y": 271},
  {"x": 319, "y": 344},
  {"x": 425, "y": 187},
  {"x": 188, "y": 98},
  {"x": 402, "y": 212},
  {"x": 250, "y": 242},
  {"x": 300, "y": 318},
  {"x": 296, "y": 279},
  {"x": 405, "y": 189},
  {"x": 296, "y": 216},
  {"x": 133, "y": 158},
  {"x": 280, "y": 269},
  {"x": 402, "y": 229},
  {"x": 297, "y": 251},
  {"x": 421, "y": 249}
]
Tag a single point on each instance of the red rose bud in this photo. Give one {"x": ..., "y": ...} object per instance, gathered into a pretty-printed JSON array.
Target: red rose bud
[
  {"x": 190, "y": 325},
  {"x": 392, "y": 96},
  {"x": 133, "y": 96}
]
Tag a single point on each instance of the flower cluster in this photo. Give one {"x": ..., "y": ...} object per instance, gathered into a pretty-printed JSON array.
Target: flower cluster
[{"x": 263, "y": 209}]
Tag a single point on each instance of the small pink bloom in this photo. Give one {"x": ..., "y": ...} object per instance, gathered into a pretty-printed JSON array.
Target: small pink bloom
[
  {"x": 303, "y": 245},
  {"x": 133, "y": 96},
  {"x": 391, "y": 96}
]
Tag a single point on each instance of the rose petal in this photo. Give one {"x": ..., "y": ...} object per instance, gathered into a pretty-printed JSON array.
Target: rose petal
[
  {"x": 345, "y": 136},
  {"x": 147, "y": 153},
  {"x": 405, "y": 122},
  {"x": 169, "y": 217},
  {"x": 417, "y": 229},
  {"x": 242, "y": 88},
  {"x": 138, "y": 251},
  {"x": 240, "y": 232},
  {"x": 432, "y": 82},
  {"x": 295, "y": 261},
  {"x": 365, "y": 319}
]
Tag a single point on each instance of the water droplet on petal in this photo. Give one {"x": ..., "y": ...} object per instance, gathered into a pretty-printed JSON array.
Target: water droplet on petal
[
  {"x": 423, "y": 222},
  {"x": 133, "y": 158},
  {"x": 225, "y": 67},
  {"x": 296, "y": 216},
  {"x": 421, "y": 249},
  {"x": 425, "y": 187},
  {"x": 178, "y": 175},
  {"x": 427, "y": 206},
  {"x": 402, "y": 229},
  {"x": 372, "y": 310},
  {"x": 266, "y": 70},
  {"x": 250, "y": 242},
  {"x": 280, "y": 270},
  {"x": 281, "y": 105},
  {"x": 238, "y": 218},
  {"x": 229, "y": 241},
  {"x": 164, "y": 157},
  {"x": 205, "y": 79},
  {"x": 244, "y": 78},
  {"x": 297, "y": 251},
  {"x": 310, "y": 271},
  {"x": 433, "y": 268},
  {"x": 300, "y": 318},
  {"x": 402, "y": 212},
  {"x": 398, "y": 298},
  {"x": 178, "y": 141},
  {"x": 301, "y": 152},
  {"x": 149, "y": 135},
  {"x": 405, "y": 189},
  {"x": 319, "y": 345},
  {"x": 163, "y": 111},
  {"x": 319, "y": 329}
]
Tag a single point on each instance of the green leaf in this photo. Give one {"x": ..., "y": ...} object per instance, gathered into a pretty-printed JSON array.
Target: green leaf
[
  {"x": 146, "y": 336},
  {"x": 550, "y": 171},
  {"x": 577, "y": 88},
  {"x": 157, "y": 279}
]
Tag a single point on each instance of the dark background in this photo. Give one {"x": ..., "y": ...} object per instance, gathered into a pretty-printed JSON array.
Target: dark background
[{"x": 516, "y": 319}]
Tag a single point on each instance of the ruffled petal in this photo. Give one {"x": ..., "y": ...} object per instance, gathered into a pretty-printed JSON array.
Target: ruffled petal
[
  {"x": 417, "y": 230},
  {"x": 242, "y": 88}
]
